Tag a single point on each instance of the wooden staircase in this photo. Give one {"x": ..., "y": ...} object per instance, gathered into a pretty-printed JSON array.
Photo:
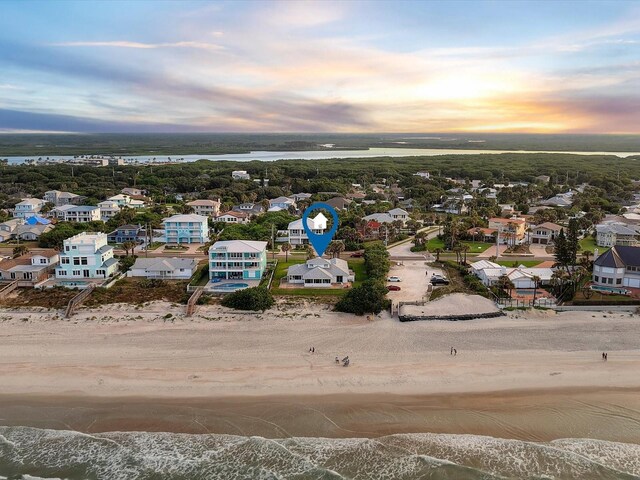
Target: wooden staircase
[
  {"x": 76, "y": 301},
  {"x": 193, "y": 300}
]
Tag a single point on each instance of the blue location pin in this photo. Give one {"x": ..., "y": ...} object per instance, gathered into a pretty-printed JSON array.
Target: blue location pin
[{"x": 320, "y": 242}]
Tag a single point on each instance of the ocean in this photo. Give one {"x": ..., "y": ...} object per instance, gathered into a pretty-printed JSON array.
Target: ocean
[{"x": 34, "y": 453}]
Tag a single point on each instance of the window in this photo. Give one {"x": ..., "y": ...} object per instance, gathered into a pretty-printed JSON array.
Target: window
[
  {"x": 83, "y": 261},
  {"x": 64, "y": 260},
  {"x": 618, "y": 281},
  {"x": 62, "y": 273},
  {"x": 596, "y": 278},
  {"x": 76, "y": 260},
  {"x": 76, "y": 272}
]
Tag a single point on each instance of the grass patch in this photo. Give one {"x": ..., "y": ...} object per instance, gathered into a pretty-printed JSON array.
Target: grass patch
[
  {"x": 154, "y": 245},
  {"x": 589, "y": 244},
  {"x": 56, "y": 297},
  {"x": 474, "y": 247},
  {"x": 357, "y": 265},
  {"x": 139, "y": 291}
]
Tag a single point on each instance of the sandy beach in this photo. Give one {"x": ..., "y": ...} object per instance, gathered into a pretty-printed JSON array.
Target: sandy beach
[{"x": 123, "y": 357}]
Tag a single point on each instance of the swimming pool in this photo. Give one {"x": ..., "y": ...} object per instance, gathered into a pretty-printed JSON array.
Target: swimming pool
[
  {"x": 74, "y": 284},
  {"x": 604, "y": 288},
  {"x": 230, "y": 287}
]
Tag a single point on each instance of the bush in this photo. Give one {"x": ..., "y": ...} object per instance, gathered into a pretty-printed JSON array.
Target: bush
[
  {"x": 255, "y": 298},
  {"x": 376, "y": 261},
  {"x": 370, "y": 297}
]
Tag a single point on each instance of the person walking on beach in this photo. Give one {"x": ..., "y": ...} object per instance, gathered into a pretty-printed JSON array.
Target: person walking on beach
[
  {"x": 337, "y": 360},
  {"x": 455, "y": 352},
  {"x": 602, "y": 355},
  {"x": 452, "y": 351},
  {"x": 606, "y": 356}
]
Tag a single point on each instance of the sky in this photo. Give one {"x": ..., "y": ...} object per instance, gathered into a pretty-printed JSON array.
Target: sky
[{"x": 351, "y": 66}]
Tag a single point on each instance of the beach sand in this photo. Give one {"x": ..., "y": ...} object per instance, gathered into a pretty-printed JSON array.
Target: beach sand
[{"x": 535, "y": 375}]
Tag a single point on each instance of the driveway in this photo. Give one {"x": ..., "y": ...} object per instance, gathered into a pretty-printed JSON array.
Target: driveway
[{"x": 414, "y": 277}]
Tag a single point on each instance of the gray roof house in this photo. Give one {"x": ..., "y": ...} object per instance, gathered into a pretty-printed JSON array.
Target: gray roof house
[
  {"x": 321, "y": 273},
  {"x": 617, "y": 268},
  {"x": 167, "y": 268},
  {"x": 615, "y": 233}
]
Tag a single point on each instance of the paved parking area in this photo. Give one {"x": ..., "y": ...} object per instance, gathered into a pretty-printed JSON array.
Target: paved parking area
[{"x": 414, "y": 277}]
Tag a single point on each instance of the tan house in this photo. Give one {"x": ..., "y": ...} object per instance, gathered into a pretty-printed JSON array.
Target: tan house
[
  {"x": 29, "y": 269},
  {"x": 545, "y": 233},
  {"x": 206, "y": 208}
]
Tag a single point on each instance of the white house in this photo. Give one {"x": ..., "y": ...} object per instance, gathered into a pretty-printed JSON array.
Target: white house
[
  {"x": 618, "y": 267},
  {"x": 522, "y": 277},
  {"x": 617, "y": 233},
  {"x": 240, "y": 175},
  {"x": 190, "y": 228},
  {"x": 233, "y": 217},
  {"x": 132, "y": 192},
  {"x": 108, "y": 210},
  {"x": 282, "y": 202},
  {"x": 28, "y": 207},
  {"x": 58, "y": 198},
  {"x": 80, "y": 214},
  {"x": 121, "y": 199},
  {"x": 321, "y": 273},
  {"x": 295, "y": 234},
  {"x": 425, "y": 175},
  {"x": 399, "y": 214},
  {"x": 8, "y": 228},
  {"x": 86, "y": 255},
  {"x": 165, "y": 268},
  {"x": 206, "y": 208}
]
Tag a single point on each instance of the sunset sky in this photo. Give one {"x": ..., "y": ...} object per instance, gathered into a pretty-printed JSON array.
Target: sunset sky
[{"x": 495, "y": 66}]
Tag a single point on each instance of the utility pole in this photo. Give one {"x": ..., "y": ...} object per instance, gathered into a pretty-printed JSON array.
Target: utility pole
[{"x": 273, "y": 242}]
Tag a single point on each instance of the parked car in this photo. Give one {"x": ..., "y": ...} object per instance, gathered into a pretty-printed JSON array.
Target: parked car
[
  {"x": 357, "y": 255},
  {"x": 439, "y": 280},
  {"x": 393, "y": 288},
  {"x": 393, "y": 279}
]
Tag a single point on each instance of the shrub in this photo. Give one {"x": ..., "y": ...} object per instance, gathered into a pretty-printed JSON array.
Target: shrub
[
  {"x": 255, "y": 298},
  {"x": 370, "y": 297}
]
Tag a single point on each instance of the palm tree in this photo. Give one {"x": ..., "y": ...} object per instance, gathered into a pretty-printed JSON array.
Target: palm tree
[
  {"x": 420, "y": 239},
  {"x": 20, "y": 250},
  {"x": 536, "y": 283},
  {"x": 438, "y": 251},
  {"x": 458, "y": 249},
  {"x": 465, "y": 248},
  {"x": 285, "y": 248},
  {"x": 128, "y": 245},
  {"x": 335, "y": 248},
  {"x": 310, "y": 253}
]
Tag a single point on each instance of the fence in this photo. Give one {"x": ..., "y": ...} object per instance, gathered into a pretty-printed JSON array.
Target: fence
[
  {"x": 76, "y": 301},
  {"x": 8, "y": 288},
  {"x": 520, "y": 303}
]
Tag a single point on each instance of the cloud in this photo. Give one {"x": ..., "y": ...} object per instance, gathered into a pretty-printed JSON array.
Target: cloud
[{"x": 140, "y": 45}]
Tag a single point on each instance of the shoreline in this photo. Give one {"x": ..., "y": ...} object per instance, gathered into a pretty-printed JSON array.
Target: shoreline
[
  {"x": 530, "y": 375},
  {"x": 537, "y": 415}
]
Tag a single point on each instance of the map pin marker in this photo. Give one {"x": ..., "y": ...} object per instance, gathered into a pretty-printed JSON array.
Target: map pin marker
[{"x": 320, "y": 242}]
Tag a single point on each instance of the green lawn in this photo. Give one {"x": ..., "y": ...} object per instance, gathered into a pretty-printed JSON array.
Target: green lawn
[
  {"x": 357, "y": 265},
  {"x": 526, "y": 263},
  {"x": 474, "y": 247},
  {"x": 589, "y": 243},
  {"x": 154, "y": 245}
]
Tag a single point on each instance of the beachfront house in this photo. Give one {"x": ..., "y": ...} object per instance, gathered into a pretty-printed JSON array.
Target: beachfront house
[
  {"x": 190, "y": 228},
  {"x": 28, "y": 207},
  {"x": 172, "y": 268},
  {"x": 522, "y": 277},
  {"x": 86, "y": 255},
  {"x": 511, "y": 230},
  {"x": 321, "y": 273},
  {"x": 206, "y": 208},
  {"x": 248, "y": 208},
  {"x": 295, "y": 234},
  {"x": 29, "y": 269},
  {"x": 31, "y": 232},
  {"x": 618, "y": 267},
  {"x": 237, "y": 259}
]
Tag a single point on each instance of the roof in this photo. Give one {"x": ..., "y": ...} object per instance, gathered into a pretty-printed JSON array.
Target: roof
[
  {"x": 311, "y": 222},
  {"x": 380, "y": 217},
  {"x": 185, "y": 218},
  {"x": 31, "y": 201},
  {"x": 203, "y": 203},
  {"x": 338, "y": 202},
  {"x": 398, "y": 211},
  {"x": 617, "y": 228},
  {"x": 47, "y": 252},
  {"x": 9, "y": 264},
  {"x": 482, "y": 264},
  {"x": 282, "y": 200},
  {"x": 110, "y": 261},
  {"x": 83, "y": 208},
  {"x": 239, "y": 246},
  {"x": 550, "y": 226},
  {"x": 164, "y": 264},
  {"x": 104, "y": 249},
  {"x": 234, "y": 213},
  {"x": 619, "y": 257},
  {"x": 127, "y": 227},
  {"x": 507, "y": 220},
  {"x": 320, "y": 268}
]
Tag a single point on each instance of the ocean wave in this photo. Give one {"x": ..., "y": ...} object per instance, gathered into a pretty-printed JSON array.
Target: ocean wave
[{"x": 42, "y": 453}]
